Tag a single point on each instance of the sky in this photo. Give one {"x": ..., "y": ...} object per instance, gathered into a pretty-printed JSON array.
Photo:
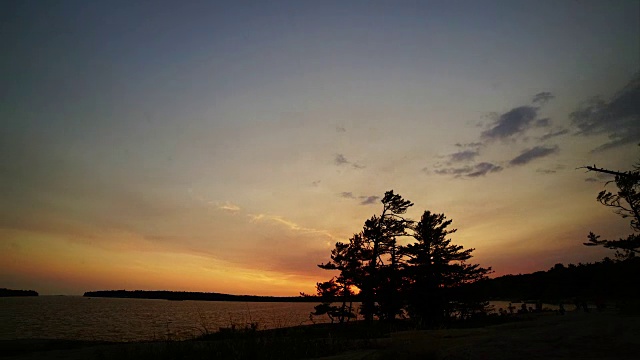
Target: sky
[{"x": 226, "y": 146}]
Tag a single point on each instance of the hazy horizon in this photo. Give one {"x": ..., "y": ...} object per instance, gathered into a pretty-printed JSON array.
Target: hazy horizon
[{"x": 226, "y": 146}]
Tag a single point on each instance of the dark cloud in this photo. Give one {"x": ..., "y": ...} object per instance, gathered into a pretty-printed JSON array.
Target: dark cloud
[
  {"x": 471, "y": 144},
  {"x": 476, "y": 170},
  {"x": 364, "y": 200},
  {"x": 465, "y": 155},
  {"x": 484, "y": 168},
  {"x": 553, "y": 134},
  {"x": 347, "y": 194},
  {"x": 533, "y": 153},
  {"x": 543, "y": 122},
  {"x": 591, "y": 179},
  {"x": 368, "y": 200},
  {"x": 542, "y": 98},
  {"x": 618, "y": 118},
  {"x": 341, "y": 160},
  {"x": 459, "y": 171},
  {"x": 514, "y": 122}
]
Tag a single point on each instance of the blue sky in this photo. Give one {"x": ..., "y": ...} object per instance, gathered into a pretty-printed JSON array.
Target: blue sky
[{"x": 242, "y": 139}]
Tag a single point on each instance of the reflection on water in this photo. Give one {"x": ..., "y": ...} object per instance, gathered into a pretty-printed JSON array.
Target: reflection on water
[{"x": 75, "y": 317}]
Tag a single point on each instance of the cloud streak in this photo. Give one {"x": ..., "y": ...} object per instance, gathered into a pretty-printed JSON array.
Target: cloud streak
[
  {"x": 465, "y": 155},
  {"x": 477, "y": 170},
  {"x": 364, "y": 199},
  {"x": 553, "y": 134},
  {"x": 229, "y": 207},
  {"x": 531, "y": 154}
]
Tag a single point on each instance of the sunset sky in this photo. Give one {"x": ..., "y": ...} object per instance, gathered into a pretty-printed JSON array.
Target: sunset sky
[{"x": 226, "y": 146}]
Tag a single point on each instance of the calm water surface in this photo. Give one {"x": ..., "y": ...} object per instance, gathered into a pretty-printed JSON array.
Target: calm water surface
[{"x": 80, "y": 318}]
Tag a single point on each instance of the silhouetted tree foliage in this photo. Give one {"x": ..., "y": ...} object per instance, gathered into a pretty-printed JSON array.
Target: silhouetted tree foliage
[
  {"x": 606, "y": 279},
  {"x": 417, "y": 279},
  {"x": 4, "y": 292},
  {"x": 626, "y": 203},
  {"x": 435, "y": 268},
  {"x": 331, "y": 291}
]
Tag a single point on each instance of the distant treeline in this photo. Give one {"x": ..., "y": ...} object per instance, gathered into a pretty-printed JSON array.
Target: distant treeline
[
  {"x": 8, "y": 292},
  {"x": 606, "y": 279},
  {"x": 184, "y": 295}
]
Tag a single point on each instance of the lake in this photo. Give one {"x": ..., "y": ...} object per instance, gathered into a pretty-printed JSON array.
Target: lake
[{"x": 111, "y": 319}]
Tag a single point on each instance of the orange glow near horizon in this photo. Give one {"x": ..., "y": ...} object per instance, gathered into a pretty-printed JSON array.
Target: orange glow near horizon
[{"x": 234, "y": 161}]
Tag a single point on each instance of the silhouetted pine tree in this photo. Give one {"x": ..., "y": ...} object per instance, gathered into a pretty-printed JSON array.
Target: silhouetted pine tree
[
  {"x": 381, "y": 279},
  {"x": 434, "y": 268},
  {"x": 419, "y": 277}
]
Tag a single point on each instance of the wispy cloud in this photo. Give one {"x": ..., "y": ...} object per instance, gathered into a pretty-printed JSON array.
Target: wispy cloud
[
  {"x": 484, "y": 168},
  {"x": 229, "y": 207},
  {"x": 467, "y": 145},
  {"x": 542, "y": 98},
  {"x": 368, "y": 200},
  {"x": 534, "y": 153},
  {"x": 465, "y": 155},
  {"x": 280, "y": 220},
  {"x": 341, "y": 160},
  {"x": 553, "y": 134},
  {"x": 618, "y": 118},
  {"x": 480, "y": 169},
  {"x": 364, "y": 199},
  {"x": 347, "y": 194}
]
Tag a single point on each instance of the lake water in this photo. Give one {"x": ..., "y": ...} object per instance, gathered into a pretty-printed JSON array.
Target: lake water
[{"x": 80, "y": 318}]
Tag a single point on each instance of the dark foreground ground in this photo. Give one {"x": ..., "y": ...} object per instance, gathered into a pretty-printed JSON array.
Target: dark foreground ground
[{"x": 576, "y": 335}]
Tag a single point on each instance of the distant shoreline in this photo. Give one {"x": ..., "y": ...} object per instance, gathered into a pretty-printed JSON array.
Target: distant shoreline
[
  {"x": 12, "y": 293},
  {"x": 201, "y": 296}
]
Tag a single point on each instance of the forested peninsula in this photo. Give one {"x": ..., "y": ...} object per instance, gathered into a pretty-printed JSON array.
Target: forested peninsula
[
  {"x": 9, "y": 292},
  {"x": 188, "y": 295}
]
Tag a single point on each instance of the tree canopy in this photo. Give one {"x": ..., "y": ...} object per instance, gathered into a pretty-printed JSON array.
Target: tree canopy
[
  {"x": 626, "y": 203},
  {"x": 401, "y": 268}
]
